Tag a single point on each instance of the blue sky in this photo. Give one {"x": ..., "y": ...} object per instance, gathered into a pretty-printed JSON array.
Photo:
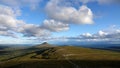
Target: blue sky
[{"x": 35, "y": 21}]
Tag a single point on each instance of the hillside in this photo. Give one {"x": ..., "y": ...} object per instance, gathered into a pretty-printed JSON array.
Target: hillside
[{"x": 63, "y": 57}]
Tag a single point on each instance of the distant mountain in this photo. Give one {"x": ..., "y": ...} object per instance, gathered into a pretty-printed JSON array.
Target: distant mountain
[{"x": 44, "y": 44}]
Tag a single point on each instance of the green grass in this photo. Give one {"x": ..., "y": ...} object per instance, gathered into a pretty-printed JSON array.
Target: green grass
[
  {"x": 64, "y": 57},
  {"x": 80, "y": 53}
]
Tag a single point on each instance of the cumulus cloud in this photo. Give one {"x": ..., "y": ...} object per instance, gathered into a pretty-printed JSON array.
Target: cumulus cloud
[
  {"x": 9, "y": 25},
  {"x": 68, "y": 14},
  {"x": 103, "y": 34},
  {"x": 31, "y": 30},
  {"x": 86, "y": 35},
  {"x": 8, "y": 33},
  {"x": 44, "y": 30},
  {"x": 8, "y": 21},
  {"x": 55, "y": 26}
]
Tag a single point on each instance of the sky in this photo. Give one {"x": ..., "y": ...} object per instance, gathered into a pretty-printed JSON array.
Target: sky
[{"x": 36, "y": 21}]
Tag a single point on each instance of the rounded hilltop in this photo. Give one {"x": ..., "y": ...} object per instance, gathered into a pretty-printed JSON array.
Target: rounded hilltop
[{"x": 44, "y": 44}]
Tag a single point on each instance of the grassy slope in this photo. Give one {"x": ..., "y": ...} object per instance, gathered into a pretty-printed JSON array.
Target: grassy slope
[{"x": 65, "y": 56}]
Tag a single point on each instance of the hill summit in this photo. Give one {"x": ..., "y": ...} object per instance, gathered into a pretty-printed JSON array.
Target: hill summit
[{"x": 44, "y": 44}]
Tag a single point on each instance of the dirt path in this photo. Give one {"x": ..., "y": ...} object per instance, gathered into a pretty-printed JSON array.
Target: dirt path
[
  {"x": 69, "y": 61},
  {"x": 75, "y": 65}
]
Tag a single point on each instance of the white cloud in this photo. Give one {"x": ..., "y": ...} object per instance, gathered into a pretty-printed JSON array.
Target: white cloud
[
  {"x": 8, "y": 17},
  {"x": 102, "y": 33},
  {"x": 56, "y": 26},
  {"x": 86, "y": 35},
  {"x": 9, "y": 25},
  {"x": 8, "y": 21},
  {"x": 111, "y": 34},
  {"x": 8, "y": 33},
  {"x": 31, "y": 30},
  {"x": 68, "y": 14}
]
